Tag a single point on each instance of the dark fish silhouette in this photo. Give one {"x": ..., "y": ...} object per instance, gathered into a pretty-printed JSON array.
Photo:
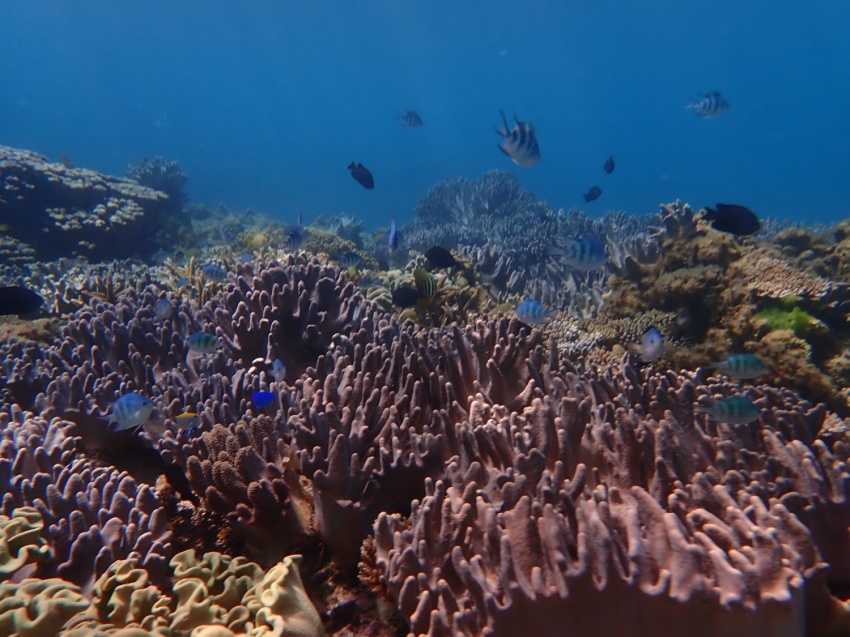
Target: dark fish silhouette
[
  {"x": 593, "y": 194},
  {"x": 362, "y": 175},
  {"x": 733, "y": 219},
  {"x": 405, "y": 297},
  {"x": 19, "y": 300},
  {"x": 520, "y": 143},
  {"x": 441, "y": 258},
  {"x": 410, "y": 119},
  {"x": 609, "y": 165}
]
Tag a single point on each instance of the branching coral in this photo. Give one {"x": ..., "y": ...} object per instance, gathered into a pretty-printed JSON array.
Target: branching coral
[{"x": 583, "y": 500}]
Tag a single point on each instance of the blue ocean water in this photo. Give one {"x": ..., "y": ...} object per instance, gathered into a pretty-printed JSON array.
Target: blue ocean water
[{"x": 264, "y": 104}]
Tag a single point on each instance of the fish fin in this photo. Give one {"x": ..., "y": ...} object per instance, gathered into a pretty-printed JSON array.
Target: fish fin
[
  {"x": 705, "y": 408},
  {"x": 501, "y": 148},
  {"x": 507, "y": 130}
]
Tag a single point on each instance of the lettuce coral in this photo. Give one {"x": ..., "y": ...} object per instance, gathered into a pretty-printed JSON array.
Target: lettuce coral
[
  {"x": 20, "y": 540},
  {"x": 281, "y": 604},
  {"x": 38, "y": 607}
]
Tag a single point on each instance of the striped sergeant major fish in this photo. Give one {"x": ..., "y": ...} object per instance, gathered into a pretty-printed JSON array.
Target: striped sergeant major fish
[
  {"x": 130, "y": 411},
  {"x": 743, "y": 366},
  {"x": 410, "y": 119},
  {"x": 520, "y": 143},
  {"x": 580, "y": 254},
  {"x": 709, "y": 105},
  {"x": 531, "y": 312},
  {"x": 736, "y": 410},
  {"x": 294, "y": 234}
]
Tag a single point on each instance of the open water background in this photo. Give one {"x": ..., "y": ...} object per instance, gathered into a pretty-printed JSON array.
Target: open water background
[{"x": 264, "y": 104}]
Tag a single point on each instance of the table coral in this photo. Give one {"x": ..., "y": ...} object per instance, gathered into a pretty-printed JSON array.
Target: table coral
[{"x": 58, "y": 211}]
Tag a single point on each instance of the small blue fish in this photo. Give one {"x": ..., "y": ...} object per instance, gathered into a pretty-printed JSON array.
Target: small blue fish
[
  {"x": 214, "y": 273},
  {"x": 532, "y": 312},
  {"x": 581, "y": 254},
  {"x": 246, "y": 258},
  {"x": 737, "y": 410},
  {"x": 203, "y": 343},
  {"x": 743, "y": 366},
  {"x": 711, "y": 104},
  {"x": 651, "y": 346},
  {"x": 278, "y": 370},
  {"x": 263, "y": 399},
  {"x": 187, "y": 421},
  {"x": 520, "y": 143},
  {"x": 131, "y": 410},
  {"x": 164, "y": 309},
  {"x": 182, "y": 282},
  {"x": 392, "y": 238}
]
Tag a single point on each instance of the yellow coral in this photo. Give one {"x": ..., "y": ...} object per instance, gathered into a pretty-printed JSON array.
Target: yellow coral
[
  {"x": 20, "y": 540},
  {"x": 281, "y": 604},
  {"x": 38, "y": 608}
]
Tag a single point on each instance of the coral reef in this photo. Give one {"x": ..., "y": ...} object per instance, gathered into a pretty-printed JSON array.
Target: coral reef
[
  {"x": 582, "y": 499},
  {"x": 455, "y": 474},
  {"x": 213, "y": 595},
  {"x": 163, "y": 175},
  {"x": 719, "y": 294},
  {"x": 58, "y": 211},
  {"x": 508, "y": 233}
]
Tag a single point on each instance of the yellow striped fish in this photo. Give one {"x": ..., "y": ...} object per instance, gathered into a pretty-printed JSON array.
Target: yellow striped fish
[{"x": 425, "y": 285}]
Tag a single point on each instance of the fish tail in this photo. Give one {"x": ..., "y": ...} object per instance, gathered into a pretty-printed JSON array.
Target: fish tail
[{"x": 707, "y": 409}]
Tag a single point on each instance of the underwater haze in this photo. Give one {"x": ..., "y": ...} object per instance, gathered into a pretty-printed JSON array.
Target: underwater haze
[{"x": 265, "y": 104}]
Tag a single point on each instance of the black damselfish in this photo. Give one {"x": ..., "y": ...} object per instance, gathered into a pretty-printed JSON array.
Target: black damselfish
[
  {"x": 405, "y": 297},
  {"x": 593, "y": 194},
  {"x": 732, "y": 218},
  {"x": 362, "y": 175},
  {"x": 439, "y": 257},
  {"x": 609, "y": 165},
  {"x": 19, "y": 300}
]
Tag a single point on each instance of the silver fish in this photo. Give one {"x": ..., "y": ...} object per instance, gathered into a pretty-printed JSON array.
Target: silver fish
[
  {"x": 580, "y": 254},
  {"x": 651, "y": 347},
  {"x": 131, "y": 410}
]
